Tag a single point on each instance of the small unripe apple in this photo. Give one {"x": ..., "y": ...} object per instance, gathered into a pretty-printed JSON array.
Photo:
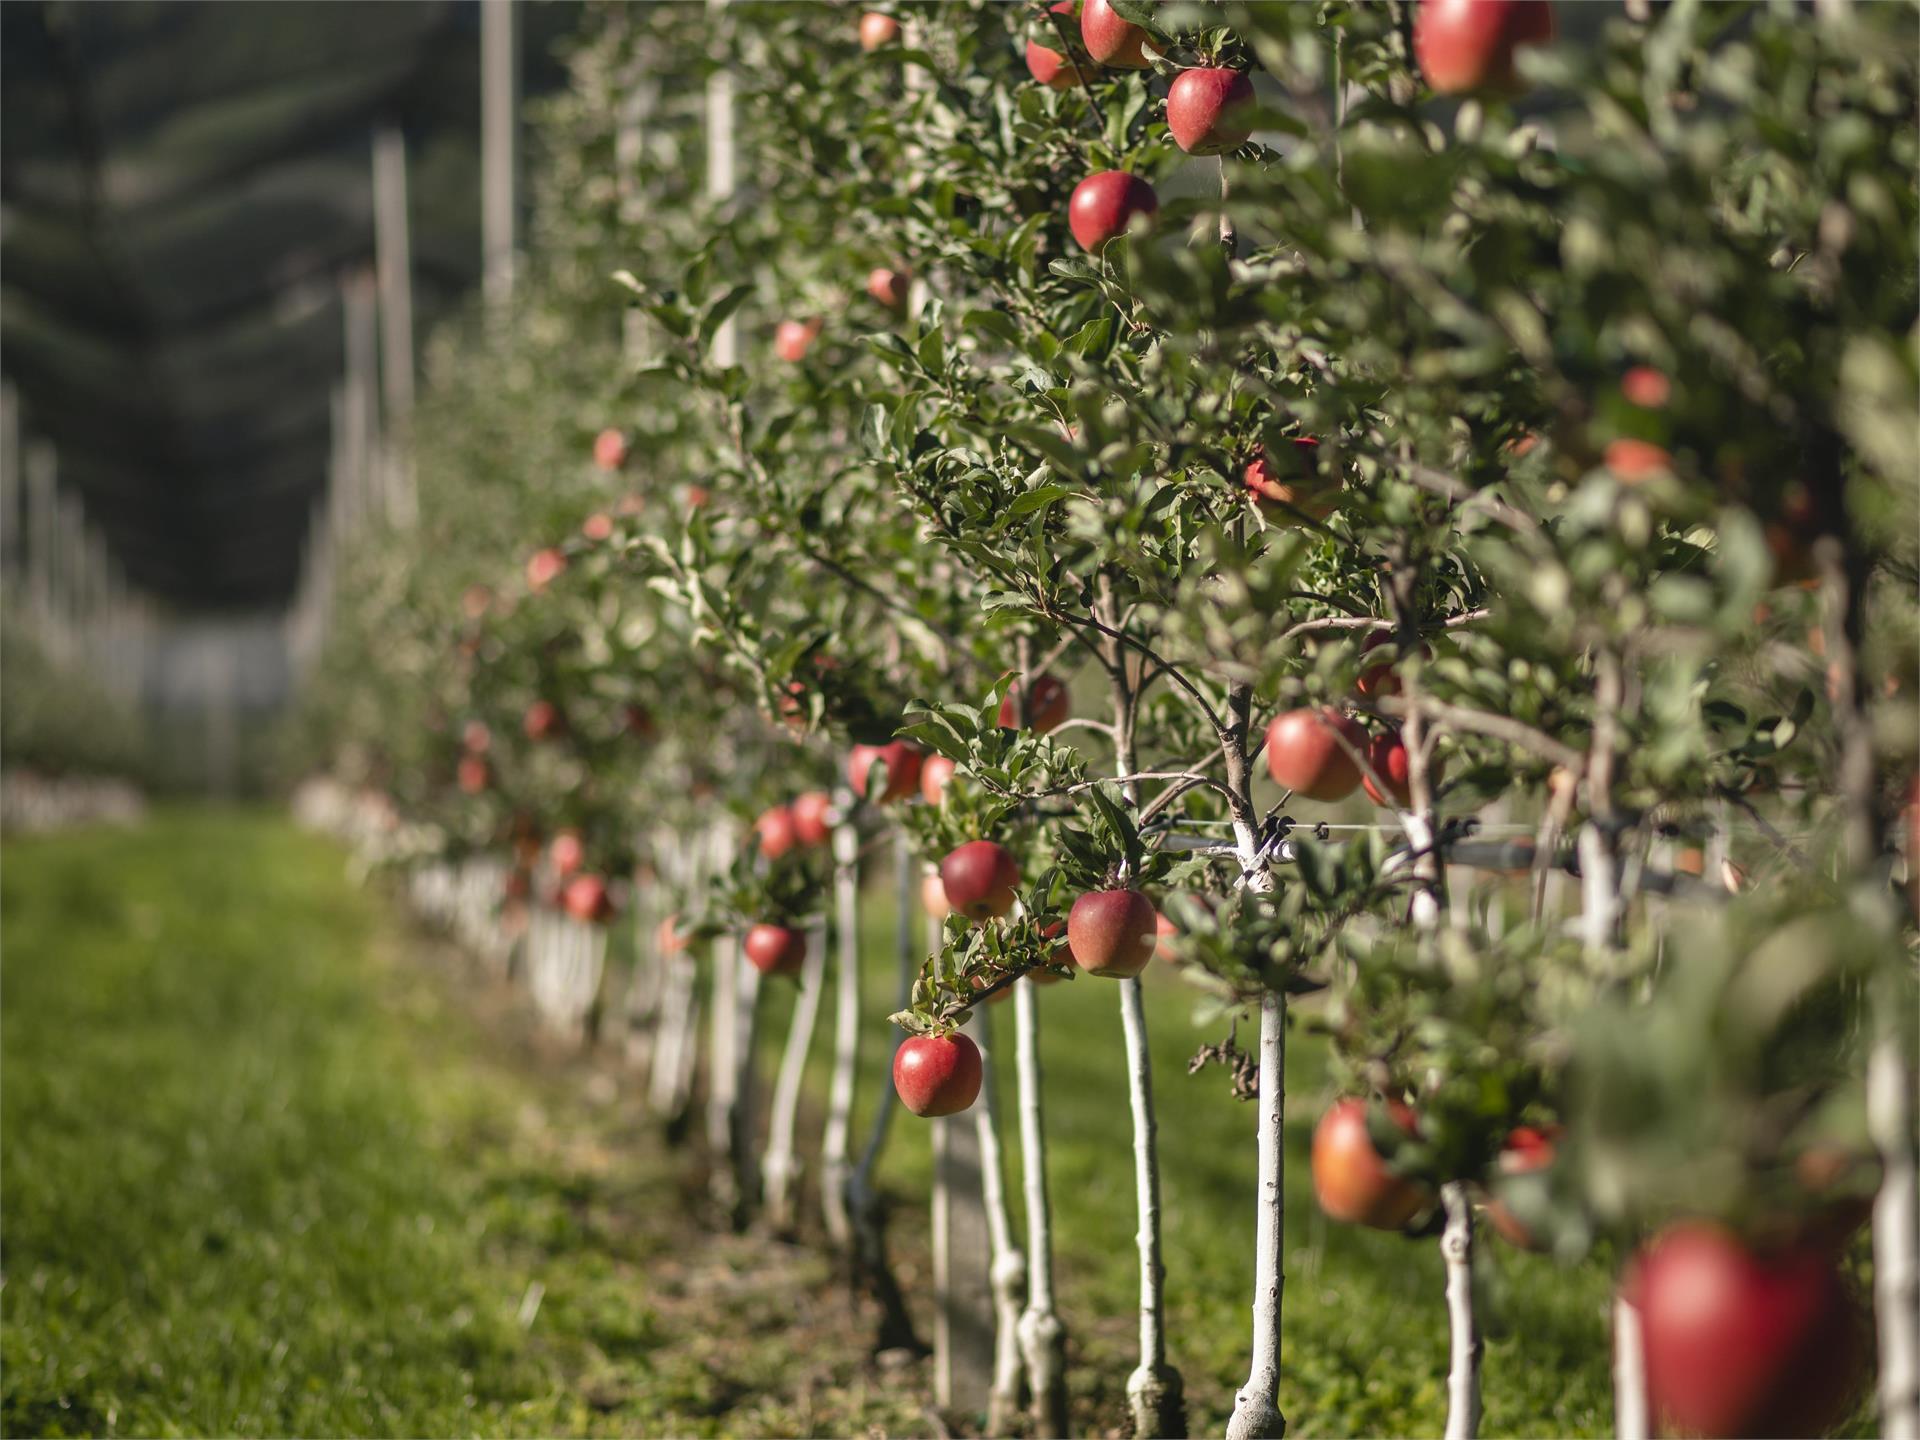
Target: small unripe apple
[
  {"x": 1468, "y": 45},
  {"x": 933, "y": 896},
  {"x": 1049, "y": 66},
  {"x": 1292, "y": 479},
  {"x": 980, "y": 878},
  {"x": 777, "y": 832},
  {"x": 1744, "y": 1342},
  {"x": 543, "y": 720},
  {"x": 597, "y": 527},
  {"x": 889, "y": 287},
  {"x": 1104, "y": 204},
  {"x": 810, "y": 817},
  {"x": 937, "y": 1074},
  {"x": 1109, "y": 39},
  {"x": 610, "y": 449},
  {"x": 544, "y": 568},
  {"x": 776, "y": 949},
  {"x": 1304, "y": 753},
  {"x": 877, "y": 31},
  {"x": 793, "y": 338},
  {"x": 934, "y": 775},
  {"x": 1111, "y": 933},
  {"x": 476, "y": 738},
  {"x": 586, "y": 900},
  {"x": 1206, "y": 110},
  {"x": 1047, "y": 710},
  {"x": 1350, "y": 1180},
  {"x": 903, "y": 769},
  {"x": 473, "y": 774}
]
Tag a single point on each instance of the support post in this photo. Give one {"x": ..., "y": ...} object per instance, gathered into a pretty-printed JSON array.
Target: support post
[{"x": 499, "y": 107}]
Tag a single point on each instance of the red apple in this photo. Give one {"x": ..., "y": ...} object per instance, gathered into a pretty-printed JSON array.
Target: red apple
[
  {"x": 1381, "y": 679},
  {"x": 776, "y": 949},
  {"x": 1646, "y": 387},
  {"x": 1048, "y": 709},
  {"x": 1292, "y": 480},
  {"x": 979, "y": 878},
  {"x": 903, "y": 769},
  {"x": 586, "y": 900},
  {"x": 473, "y": 774},
  {"x": 1206, "y": 107},
  {"x": 777, "y": 832},
  {"x": 597, "y": 526},
  {"x": 1111, "y": 933},
  {"x": 810, "y": 812},
  {"x": 1350, "y": 1180},
  {"x": 1387, "y": 754},
  {"x": 937, "y": 1074},
  {"x": 544, "y": 568},
  {"x": 1104, "y": 204},
  {"x": 543, "y": 720},
  {"x": 1049, "y": 66},
  {"x": 1468, "y": 45},
  {"x": 933, "y": 896},
  {"x": 1636, "y": 460},
  {"x": 476, "y": 738},
  {"x": 1740, "y": 1342},
  {"x": 793, "y": 338},
  {"x": 610, "y": 449},
  {"x": 1527, "y": 1150},
  {"x": 1109, "y": 39},
  {"x": 1304, "y": 753},
  {"x": 878, "y": 31},
  {"x": 637, "y": 720},
  {"x": 934, "y": 775},
  {"x": 568, "y": 852},
  {"x": 889, "y": 287}
]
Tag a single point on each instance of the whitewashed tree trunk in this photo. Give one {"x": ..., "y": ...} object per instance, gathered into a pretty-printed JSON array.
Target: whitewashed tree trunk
[
  {"x": 723, "y": 1071},
  {"x": 782, "y": 1167},
  {"x": 836, "y": 1167},
  {"x": 1154, "y": 1388},
  {"x": 963, "y": 1338},
  {"x": 1629, "y": 1374},
  {"x": 1043, "y": 1339},
  {"x": 1896, "y": 1262},
  {"x": 1256, "y": 1409},
  {"x": 1009, "y": 1262},
  {"x": 743, "y": 1156},
  {"x": 1463, "y": 1371}
]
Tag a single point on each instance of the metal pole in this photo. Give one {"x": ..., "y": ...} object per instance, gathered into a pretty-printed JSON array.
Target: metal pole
[
  {"x": 394, "y": 267},
  {"x": 499, "y": 102},
  {"x": 720, "y": 164}
]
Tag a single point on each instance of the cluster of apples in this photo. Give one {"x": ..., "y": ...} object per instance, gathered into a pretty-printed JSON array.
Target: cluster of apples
[
  {"x": 1311, "y": 751},
  {"x": 806, "y": 822}
]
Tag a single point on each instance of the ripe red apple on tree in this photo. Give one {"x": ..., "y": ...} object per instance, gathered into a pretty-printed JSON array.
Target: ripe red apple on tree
[
  {"x": 889, "y": 286},
  {"x": 476, "y": 738},
  {"x": 877, "y": 31},
  {"x": 1292, "y": 479},
  {"x": 937, "y": 1074},
  {"x": 1387, "y": 754},
  {"x": 1104, "y": 204},
  {"x": 1111, "y": 933},
  {"x": 1048, "y": 709},
  {"x": 1304, "y": 753},
  {"x": 1206, "y": 109},
  {"x": 585, "y": 898},
  {"x": 777, "y": 832},
  {"x": 543, "y": 720},
  {"x": 792, "y": 339},
  {"x": 1468, "y": 45},
  {"x": 810, "y": 817},
  {"x": 544, "y": 567},
  {"x": 1109, "y": 39},
  {"x": 1636, "y": 460},
  {"x": 979, "y": 879},
  {"x": 1646, "y": 387},
  {"x": 1527, "y": 1151},
  {"x": 1350, "y": 1180},
  {"x": 934, "y": 774},
  {"x": 775, "y": 949},
  {"x": 1049, "y": 66},
  {"x": 473, "y": 774},
  {"x": 610, "y": 449},
  {"x": 568, "y": 852},
  {"x": 903, "y": 769},
  {"x": 933, "y": 896},
  {"x": 597, "y": 527},
  {"x": 1380, "y": 679},
  {"x": 1744, "y": 1342}
]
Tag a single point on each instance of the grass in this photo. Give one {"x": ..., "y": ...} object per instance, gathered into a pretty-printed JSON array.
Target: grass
[{"x": 276, "y": 1165}]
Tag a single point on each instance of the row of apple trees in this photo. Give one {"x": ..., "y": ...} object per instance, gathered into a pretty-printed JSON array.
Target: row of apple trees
[{"x": 1403, "y": 514}]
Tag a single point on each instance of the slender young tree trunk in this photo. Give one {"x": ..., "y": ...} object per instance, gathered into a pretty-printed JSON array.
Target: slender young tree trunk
[
  {"x": 1043, "y": 1339},
  {"x": 1629, "y": 1373},
  {"x": 836, "y": 1169},
  {"x": 742, "y": 1154},
  {"x": 1009, "y": 1262},
  {"x": 782, "y": 1166},
  {"x": 1463, "y": 1373},
  {"x": 723, "y": 1071}
]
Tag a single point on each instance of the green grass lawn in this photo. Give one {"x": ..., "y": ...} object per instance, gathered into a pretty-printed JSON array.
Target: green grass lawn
[{"x": 274, "y": 1165}]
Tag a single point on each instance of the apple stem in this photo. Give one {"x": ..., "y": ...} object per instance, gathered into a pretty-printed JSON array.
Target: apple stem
[
  {"x": 1629, "y": 1373},
  {"x": 1463, "y": 1373},
  {"x": 1008, "y": 1272},
  {"x": 781, "y": 1166},
  {"x": 1043, "y": 1340},
  {"x": 835, "y": 1169}
]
